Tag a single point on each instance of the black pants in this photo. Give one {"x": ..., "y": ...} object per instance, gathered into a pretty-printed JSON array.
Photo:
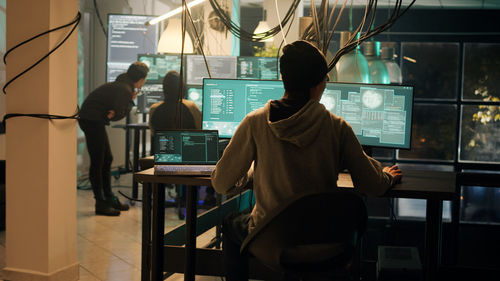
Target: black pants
[
  {"x": 100, "y": 158},
  {"x": 234, "y": 232}
]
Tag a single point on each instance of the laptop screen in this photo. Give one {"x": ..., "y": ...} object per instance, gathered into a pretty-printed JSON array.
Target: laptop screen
[{"x": 186, "y": 147}]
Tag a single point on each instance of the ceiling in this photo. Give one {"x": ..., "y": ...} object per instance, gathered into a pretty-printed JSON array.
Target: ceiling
[{"x": 444, "y": 4}]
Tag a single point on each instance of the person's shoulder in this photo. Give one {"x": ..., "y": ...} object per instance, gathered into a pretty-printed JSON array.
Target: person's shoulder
[
  {"x": 189, "y": 103},
  {"x": 260, "y": 112},
  {"x": 155, "y": 105}
]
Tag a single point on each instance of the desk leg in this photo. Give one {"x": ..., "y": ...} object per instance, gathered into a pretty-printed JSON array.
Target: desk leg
[
  {"x": 135, "y": 185},
  {"x": 127, "y": 145},
  {"x": 143, "y": 140},
  {"x": 146, "y": 233},
  {"x": 191, "y": 213},
  {"x": 432, "y": 254},
  {"x": 158, "y": 231}
]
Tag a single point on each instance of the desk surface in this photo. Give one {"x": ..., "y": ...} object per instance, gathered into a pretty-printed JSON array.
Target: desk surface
[
  {"x": 144, "y": 125},
  {"x": 415, "y": 184}
]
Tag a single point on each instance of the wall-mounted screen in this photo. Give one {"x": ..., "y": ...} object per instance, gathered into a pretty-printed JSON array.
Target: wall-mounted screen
[
  {"x": 257, "y": 68},
  {"x": 159, "y": 65},
  {"x": 150, "y": 94},
  {"x": 227, "y": 101},
  {"x": 380, "y": 115},
  {"x": 220, "y": 67},
  {"x": 128, "y": 36}
]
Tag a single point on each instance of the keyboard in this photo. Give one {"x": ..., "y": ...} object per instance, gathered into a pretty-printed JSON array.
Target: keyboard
[{"x": 183, "y": 170}]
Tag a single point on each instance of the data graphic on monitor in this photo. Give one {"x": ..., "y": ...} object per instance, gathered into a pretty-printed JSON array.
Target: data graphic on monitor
[
  {"x": 195, "y": 94},
  {"x": 128, "y": 36},
  {"x": 159, "y": 65},
  {"x": 257, "y": 68},
  {"x": 380, "y": 115},
  {"x": 220, "y": 67},
  {"x": 150, "y": 94},
  {"x": 227, "y": 101}
]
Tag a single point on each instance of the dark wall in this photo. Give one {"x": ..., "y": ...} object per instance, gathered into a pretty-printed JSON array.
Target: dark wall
[{"x": 435, "y": 25}]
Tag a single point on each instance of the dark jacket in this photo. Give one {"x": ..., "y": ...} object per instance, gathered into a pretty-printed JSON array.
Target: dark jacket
[
  {"x": 115, "y": 96},
  {"x": 162, "y": 116}
]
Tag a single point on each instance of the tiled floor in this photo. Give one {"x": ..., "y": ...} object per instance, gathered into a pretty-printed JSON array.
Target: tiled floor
[{"x": 109, "y": 248}]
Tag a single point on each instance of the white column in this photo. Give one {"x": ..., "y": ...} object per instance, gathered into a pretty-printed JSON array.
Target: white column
[{"x": 41, "y": 154}]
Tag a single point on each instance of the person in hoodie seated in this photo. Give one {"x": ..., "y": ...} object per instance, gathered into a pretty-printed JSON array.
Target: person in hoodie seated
[{"x": 289, "y": 146}]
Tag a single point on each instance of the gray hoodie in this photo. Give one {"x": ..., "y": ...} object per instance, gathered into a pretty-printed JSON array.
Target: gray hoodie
[{"x": 303, "y": 152}]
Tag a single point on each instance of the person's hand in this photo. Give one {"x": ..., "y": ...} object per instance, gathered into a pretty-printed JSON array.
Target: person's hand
[
  {"x": 395, "y": 172},
  {"x": 111, "y": 114}
]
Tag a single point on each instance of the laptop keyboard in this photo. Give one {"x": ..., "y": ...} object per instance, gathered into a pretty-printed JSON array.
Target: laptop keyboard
[{"x": 184, "y": 169}]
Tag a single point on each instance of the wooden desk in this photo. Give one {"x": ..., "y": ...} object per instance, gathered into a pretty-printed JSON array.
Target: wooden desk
[{"x": 431, "y": 185}]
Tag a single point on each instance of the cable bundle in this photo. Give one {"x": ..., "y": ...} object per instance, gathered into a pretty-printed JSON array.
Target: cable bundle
[
  {"x": 248, "y": 36},
  {"x": 74, "y": 23},
  {"x": 322, "y": 28}
]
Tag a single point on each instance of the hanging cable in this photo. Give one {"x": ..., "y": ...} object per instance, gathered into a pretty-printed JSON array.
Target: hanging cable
[
  {"x": 99, "y": 19},
  {"x": 238, "y": 32},
  {"x": 74, "y": 22},
  {"x": 279, "y": 20}
]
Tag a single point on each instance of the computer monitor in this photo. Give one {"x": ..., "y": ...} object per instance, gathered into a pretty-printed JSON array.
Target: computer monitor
[
  {"x": 128, "y": 36},
  {"x": 195, "y": 94},
  {"x": 257, "y": 68},
  {"x": 150, "y": 94},
  {"x": 220, "y": 67},
  {"x": 227, "y": 101},
  {"x": 380, "y": 115},
  {"x": 159, "y": 65}
]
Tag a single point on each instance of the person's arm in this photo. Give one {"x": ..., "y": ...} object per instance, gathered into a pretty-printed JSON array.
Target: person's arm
[
  {"x": 122, "y": 101},
  {"x": 366, "y": 173},
  {"x": 233, "y": 166}
]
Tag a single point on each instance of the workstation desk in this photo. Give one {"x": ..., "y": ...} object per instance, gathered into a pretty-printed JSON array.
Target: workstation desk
[{"x": 434, "y": 186}]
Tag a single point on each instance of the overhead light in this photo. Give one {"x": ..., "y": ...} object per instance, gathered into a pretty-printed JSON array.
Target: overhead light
[
  {"x": 353, "y": 66},
  {"x": 378, "y": 69},
  {"x": 171, "y": 39},
  {"x": 261, "y": 28},
  {"x": 173, "y": 12}
]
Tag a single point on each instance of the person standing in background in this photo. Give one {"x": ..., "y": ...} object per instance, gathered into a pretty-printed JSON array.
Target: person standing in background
[{"x": 109, "y": 102}]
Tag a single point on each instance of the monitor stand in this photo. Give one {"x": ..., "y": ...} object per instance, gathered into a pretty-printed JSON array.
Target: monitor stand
[{"x": 368, "y": 150}]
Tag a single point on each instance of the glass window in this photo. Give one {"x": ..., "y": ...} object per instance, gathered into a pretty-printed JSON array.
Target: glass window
[
  {"x": 480, "y": 133},
  {"x": 433, "y": 133},
  {"x": 481, "y": 72},
  {"x": 432, "y": 68},
  {"x": 479, "y": 204}
]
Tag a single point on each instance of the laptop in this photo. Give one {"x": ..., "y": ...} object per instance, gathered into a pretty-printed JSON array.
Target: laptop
[{"x": 186, "y": 152}]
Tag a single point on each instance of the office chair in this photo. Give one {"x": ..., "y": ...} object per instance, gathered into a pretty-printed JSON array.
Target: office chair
[{"x": 312, "y": 236}]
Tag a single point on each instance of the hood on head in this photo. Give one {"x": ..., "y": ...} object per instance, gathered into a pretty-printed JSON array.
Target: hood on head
[{"x": 302, "y": 127}]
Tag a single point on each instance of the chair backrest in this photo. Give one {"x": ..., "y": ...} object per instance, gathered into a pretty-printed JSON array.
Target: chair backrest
[{"x": 309, "y": 232}]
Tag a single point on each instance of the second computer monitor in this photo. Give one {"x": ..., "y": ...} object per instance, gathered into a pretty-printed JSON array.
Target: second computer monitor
[
  {"x": 227, "y": 101},
  {"x": 380, "y": 115}
]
